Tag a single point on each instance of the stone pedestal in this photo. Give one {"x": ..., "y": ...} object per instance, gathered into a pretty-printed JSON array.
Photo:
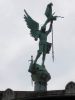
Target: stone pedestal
[
  {"x": 40, "y": 76},
  {"x": 40, "y": 86}
]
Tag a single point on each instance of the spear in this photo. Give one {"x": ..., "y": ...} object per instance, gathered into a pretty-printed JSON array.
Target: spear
[{"x": 52, "y": 45}]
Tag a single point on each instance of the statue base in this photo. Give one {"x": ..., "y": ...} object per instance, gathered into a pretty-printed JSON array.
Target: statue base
[
  {"x": 40, "y": 86},
  {"x": 40, "y": 76}
]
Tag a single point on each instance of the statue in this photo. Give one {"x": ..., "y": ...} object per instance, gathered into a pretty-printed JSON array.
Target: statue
[
  {"x": 44, "y": 46},
  {"x": 38, "y": 72},
  {"x": 49, "y": 14}
]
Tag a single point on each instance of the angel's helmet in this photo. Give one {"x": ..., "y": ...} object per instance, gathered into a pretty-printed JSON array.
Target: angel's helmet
[{"x": 43, "y": 28}]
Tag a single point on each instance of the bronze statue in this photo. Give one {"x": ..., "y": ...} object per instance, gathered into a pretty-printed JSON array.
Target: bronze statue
[
  {"x": 39, "y": 74},
  {"x": 44, "y": 46},
  {"x": 50, "y": 15}
]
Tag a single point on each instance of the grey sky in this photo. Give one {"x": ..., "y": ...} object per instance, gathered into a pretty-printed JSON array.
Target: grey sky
[{"x": 16, "y": 45}]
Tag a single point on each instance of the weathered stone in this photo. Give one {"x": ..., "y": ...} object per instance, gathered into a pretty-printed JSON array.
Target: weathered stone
[
  {"x": 70, "y": 88},
  {"x": 69, "y": 91},
  {"x": 40, "y": 86},
  {"x": 8, "y": 95}
]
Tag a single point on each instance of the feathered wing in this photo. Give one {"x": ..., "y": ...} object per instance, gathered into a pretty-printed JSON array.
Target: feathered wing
[{"x": 32, "y": 25}]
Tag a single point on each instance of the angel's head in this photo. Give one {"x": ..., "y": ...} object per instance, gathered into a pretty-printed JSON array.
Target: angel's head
[{"x": 43, "y": 28}]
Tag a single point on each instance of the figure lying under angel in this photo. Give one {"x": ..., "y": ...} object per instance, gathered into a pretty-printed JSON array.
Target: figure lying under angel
[{"x": 44, "y": 46}]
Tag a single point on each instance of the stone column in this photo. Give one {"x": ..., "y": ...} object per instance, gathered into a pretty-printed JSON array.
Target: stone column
[
  {"x": 40, "y": 76},
  {"x": 40, "y": 86}
]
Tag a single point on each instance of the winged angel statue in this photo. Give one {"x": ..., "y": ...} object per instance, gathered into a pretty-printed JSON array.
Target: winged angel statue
[{"x": 44, "y": 46}]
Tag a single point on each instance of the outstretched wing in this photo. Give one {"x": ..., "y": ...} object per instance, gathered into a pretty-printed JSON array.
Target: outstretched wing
[{"x": 32, "y": 25}]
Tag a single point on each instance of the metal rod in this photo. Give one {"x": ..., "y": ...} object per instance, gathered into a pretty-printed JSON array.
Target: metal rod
[{"x": 52, "y": 45}]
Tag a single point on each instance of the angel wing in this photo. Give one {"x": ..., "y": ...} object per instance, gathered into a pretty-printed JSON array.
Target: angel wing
[{"x": 32, "y": 25}]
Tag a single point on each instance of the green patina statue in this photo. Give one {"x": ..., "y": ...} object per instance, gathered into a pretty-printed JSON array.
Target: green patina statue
[
  {"x": 44, "y": 46},
  {"x": 38, "y": 72}
]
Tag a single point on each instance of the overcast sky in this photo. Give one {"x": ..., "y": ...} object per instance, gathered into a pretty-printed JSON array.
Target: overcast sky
[{"x": 17, "y": 46}]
